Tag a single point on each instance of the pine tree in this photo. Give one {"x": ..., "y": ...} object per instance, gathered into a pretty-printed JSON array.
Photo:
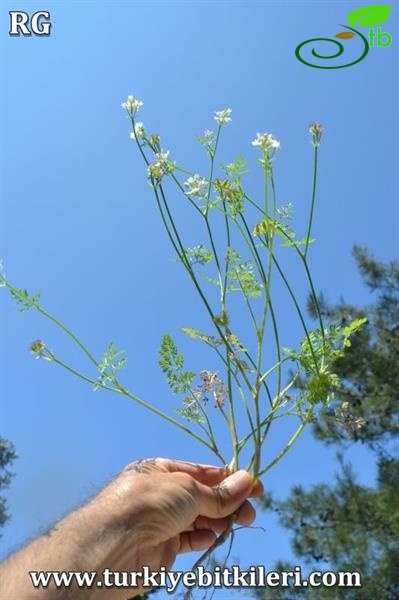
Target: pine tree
[
  {"x": 344, "y": 526},
  {"x": 7, "y": 455}
]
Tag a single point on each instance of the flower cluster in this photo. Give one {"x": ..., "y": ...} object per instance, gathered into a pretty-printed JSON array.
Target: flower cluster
[
  {"x": 195, "y": 186},
  {"x": 138, "y": 132},
  {"x": 223, "y": 116},
  {"x": 132, "y": 105},
  {"x": 211, "y": 382},
  {"x": 37, "y": 348},
  {"x": 162, "y": 166},
  {"x": 266, "y": 142},
  {"x": 155, "y": 172},
  {"x": 347, "y": 420},
  {"x": 317, "y": 131}
]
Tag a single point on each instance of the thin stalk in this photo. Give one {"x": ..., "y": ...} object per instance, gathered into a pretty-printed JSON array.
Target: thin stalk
[
  {"x": 215, "y": 254},
  {"x": 15, "y": 292},
  {"x": 316, "y": 364},
  {"x": 273, "y": 368},
  {"x": 212, "y": 155},
  {"x": 121, "y": 390},
  {"x": 278, "y": 405},
  {"x": 312, "y": 202},
  {"x": 290, "y": 443},
  {"x": 253, "y": 203},
  {"x": 195, "y": 282},
  {"x": 209, "y": 431},
  {"x": 310, "y": 281},
  {"x": 185, "y": 261},
  {"x": 260, "y": 336},
  {"x": 52, "y": 358},
  {"x": 255, "y": 254},
  {"x": 181, "y": 188}
]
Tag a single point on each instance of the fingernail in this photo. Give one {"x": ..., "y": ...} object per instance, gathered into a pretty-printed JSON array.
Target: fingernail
[{"x": 238, "y": 482}]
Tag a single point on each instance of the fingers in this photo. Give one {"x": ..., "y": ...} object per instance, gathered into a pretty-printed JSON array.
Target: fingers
[
  {"x": 205, "y": 529},
  {"x": 196, "y": 540},
  {"x": 246, "y": 515},
  {"x": 257, "y": 489},
  {"x": 206, "y": 474},
  {"x": 225, "y": 498}
]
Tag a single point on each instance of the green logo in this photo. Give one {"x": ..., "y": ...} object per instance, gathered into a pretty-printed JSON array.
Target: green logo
[{"x": 368, "y": 16}]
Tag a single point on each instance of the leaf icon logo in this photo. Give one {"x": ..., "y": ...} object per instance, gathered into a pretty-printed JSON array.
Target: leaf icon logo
[
  {"x": 345, "y": 35},
  {"x": 369, "y": 16}
]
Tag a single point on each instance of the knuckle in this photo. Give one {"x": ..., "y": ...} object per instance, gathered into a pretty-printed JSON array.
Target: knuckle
[
  {"x": 186, "y": 481},
  {"x": 145, "y": 465},
  {"x": 221, "y": 497}
]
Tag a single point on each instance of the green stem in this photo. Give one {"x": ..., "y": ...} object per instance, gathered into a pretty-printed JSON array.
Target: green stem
[
  {"x": 312, "y": 203},
  {"x": 289, "y": 444},
  {"x": 258, "y": 261},
  {"x": 121, "y": 390},
  {"x": 316, "y": 364},
  {"x": 310, "y": 281},
  {"x": 16, "y": 293},
  {"x": 194, "y": 279}
]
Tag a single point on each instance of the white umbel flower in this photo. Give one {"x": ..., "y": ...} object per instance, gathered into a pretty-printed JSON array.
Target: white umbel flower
[
  {"x": 195, "y": 186},
  {"x": 132, "y": 105},
  {"x": 138, "y": 132},
  {"x": 162, "y": 158},
  {"x": 223, "y": 116},
  {"x": 266, "y": 141}
]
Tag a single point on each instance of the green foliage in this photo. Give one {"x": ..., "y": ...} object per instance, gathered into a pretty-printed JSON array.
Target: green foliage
[
  {"x": 297, "y": 243},
  {"x": 328, "y": 347},
  {"x": 111, "y": 362},
  {"x": 7, "y": 456},
  {"x": 349, "y": 527},
  {"x": 270, "y": 227},
  {"x": 265, "y": 227},
  {"x": 191, "y": 413},
  {"x": 231, "y": 339},
  {"x": 208, "y": 141},
  {"x": 344, "y": 524},
  {"x": 24, "y": 300},
  {"x": 369, "y": 369},
  {"x": 198, "y": 255},
  {"x": 320, "y": 387},
  {"x": 231, "y": 194},
  {"x": 197, "y": 335},
  {"x": 236, "y": 169},
  {"x": 172, "y": 363},
  {"x": 223, "y": 231},
  {"x": 317, "y": 357},
  {"x": 241, "y": 275}
]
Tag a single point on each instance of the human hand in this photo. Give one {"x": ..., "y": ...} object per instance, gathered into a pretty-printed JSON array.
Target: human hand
[
  {"x": 174, "y": 507},
  {"x": 148, "y": 514}
]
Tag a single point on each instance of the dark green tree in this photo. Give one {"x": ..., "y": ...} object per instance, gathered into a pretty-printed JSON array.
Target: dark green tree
[
  {"x": 345, "y": 526},
  {"x": 7, "y": 455}
]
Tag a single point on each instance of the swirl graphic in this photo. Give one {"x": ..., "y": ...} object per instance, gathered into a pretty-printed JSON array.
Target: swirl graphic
[{"x": 338, "y": 53}]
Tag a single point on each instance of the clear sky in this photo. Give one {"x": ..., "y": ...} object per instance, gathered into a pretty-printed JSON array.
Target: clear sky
[{"x": 79, "y": 222}]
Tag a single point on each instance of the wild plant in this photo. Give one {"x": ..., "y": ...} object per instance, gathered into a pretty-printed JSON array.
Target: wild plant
[{"x": 234, "y": 255}]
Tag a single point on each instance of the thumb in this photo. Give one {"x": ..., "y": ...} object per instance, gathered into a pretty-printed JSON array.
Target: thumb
[{"x": 223, "y": 499}]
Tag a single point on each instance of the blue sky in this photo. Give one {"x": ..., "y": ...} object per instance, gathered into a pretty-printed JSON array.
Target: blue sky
[{"x": 80, "y": 224}]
